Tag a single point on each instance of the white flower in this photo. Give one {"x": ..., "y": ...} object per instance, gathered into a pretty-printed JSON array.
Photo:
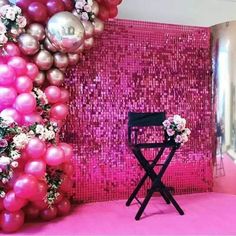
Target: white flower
[
  {"x": 178, "y": 139},
  {"x": 14, "y": 164},
  {"x": 14, "y": 31},
  {"x": 16, "y": 9},
  {"x": 177, "y": 119},
  {"x": 166, "y": 123},
  {"x": 3, "y": 28},
  {"x": 184, "y": 137},
  {"x": 10, "y": 14},
  {"x": 80, "y": 4},
  {"x": 188, "y": 131},
  {"x": 170, "y": 132},
  {"x": 21, "y": 21},
  {"x": 41, "y": 95},
  {"x": 4, "y": 180},
  {"x": 10, "y": 174},
  {"x": 39, "y": 129},
  {"x": 5, "y": 160},
  {"x": 50, "y": 134},
  {"x": 4, "y": 9},
  {"x": 180, "y": 127},
  {"x": 20, "y": 140},
  {"x": 84, "y": 16},
  {"x": 7, "y": 121},
  {"x": 15, "y": 154},
  {"x": 90, "y": 2},
  {"x": 2, "y": 194},
  {"x": 87, "y": 8},
  {"x": 3, "y": 39}
]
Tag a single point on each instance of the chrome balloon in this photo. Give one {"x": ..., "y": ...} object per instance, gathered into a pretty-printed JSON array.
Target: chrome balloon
[
  {"x": 36, "y": 30},
  {"x": 28, "y": 44}
]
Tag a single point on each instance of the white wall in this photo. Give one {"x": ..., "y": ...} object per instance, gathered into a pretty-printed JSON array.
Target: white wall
[{"x": 184, "y": 12}]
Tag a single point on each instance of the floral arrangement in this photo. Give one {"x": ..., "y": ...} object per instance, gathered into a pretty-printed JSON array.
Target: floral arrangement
[
  {"x": 12, "y": 22},
  {"x": 176, "y": 130},
  {"x": 84, "y": 9}
]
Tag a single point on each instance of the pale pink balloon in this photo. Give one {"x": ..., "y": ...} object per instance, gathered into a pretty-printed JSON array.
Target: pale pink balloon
[
  {"x": 13, "y": 203},
  {"x": 26, "y": 186},
  {"x": 32, "y": 70},
  {"x": 53, "y": 93},
  {"x": 36, "y": 148},
  {"x": 48, "y": 213},
  {"x": 54, "y": 156},
  {"x": 12, "y": 49},
  {"x": 41, "y": 192},
  {"x": 25, "y": 103},
  {"x": 32, "y": 119},
  {"x": 31, "y": 212},
  {"x": 64, "y": 96},
  {"x": 11, "y": 221},
  {"x": 18, "y": 64},
  {"x": 68, "y": 151},
  {"x": 63, "y": 207},
  {"x": 59, "y": 111},
  {"x": 7, "y": 75},
  {"x": 11, "y": 113},
  {"x": 36, "y": 168},
  {"x": 23, "y": 84},
  {"x": 7, "y": 96}
]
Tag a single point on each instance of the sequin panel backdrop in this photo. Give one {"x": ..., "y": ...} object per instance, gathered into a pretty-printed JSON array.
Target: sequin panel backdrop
[{"x": 145, "y": 67}]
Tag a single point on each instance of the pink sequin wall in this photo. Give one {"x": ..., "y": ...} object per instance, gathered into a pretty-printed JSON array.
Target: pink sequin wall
[{"x": 142, "y": 67}]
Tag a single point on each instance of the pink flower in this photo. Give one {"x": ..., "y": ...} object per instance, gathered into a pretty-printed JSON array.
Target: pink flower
[
  {"x": 3, "y": 143},
  {"x": 166, "y": 123},
  {"x": 21, "y": 21},
  {"x": 170, "y": 132},
  {"x": 184, "y": 137},
  {"x": 171, "y": 119},
  {"x": 3, "y": 28},
  {"x": 80, "y": 4},
  {"x": 178, "y": 139},
  {"x": 3, "y": 39},
  {"x": 87, "y": 8},
  {"x": 188, "y": 131},
  {"x": 84, "y": 16},
  {"x": 180, "y": 127}
]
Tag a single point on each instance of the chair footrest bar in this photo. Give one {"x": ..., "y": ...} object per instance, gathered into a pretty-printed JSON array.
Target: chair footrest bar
[{"x": 139, "y": 202}]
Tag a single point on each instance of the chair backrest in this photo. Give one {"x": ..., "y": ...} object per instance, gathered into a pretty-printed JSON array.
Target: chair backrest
[{"x": 138, "y": 119}]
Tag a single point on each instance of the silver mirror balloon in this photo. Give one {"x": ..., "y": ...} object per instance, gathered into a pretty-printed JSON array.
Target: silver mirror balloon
[
  {"x": 224, "y": 73},
  {"x": 65, "y": 31}
]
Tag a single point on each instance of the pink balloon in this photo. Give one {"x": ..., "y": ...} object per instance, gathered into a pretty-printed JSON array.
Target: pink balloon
[
  {"x": 69, "y": 6},
  {"x": 32, "y": 119},
  {"x": 18, "y": 64},
  {"x": 41, "y": 205},
  {"x": 53, "y": 94},
  {"x": 41, "y": 192},
  {"x": 31, "y": 212},
  {"x": 12, "y": 49},
  {"x": 1, "y": 206},
  {"x": 66, "y": 184},
  {"x": 16, "y": 174},
  {"x": 59, "y": 198},
  {"x": 7, "y": 75},
  {"x": 36, "y": 168},
  {"x": 48, "y": 213},
  {"x": 54, "y": 156},
  {"x": 11, "y": 113},
  {"x": 11, "y": 221},
  {"x": 63, "y": 207},
  {"x": 59, "y": 111},
  {"x": 64, "y": 96},
  {"x": 68, "y": 151},
  {"x": 36, "y": 148},
  {"x": 23, "y": 4},
  {"x": 7, "y": 96},
  {"x": 13, "y": 203},
  {"x": 25, "y": 103},
  {"x": 32, "y": 70},
  {"x": 26, "y": 186},
  {"x": 68, "y": 169},
  {"x": 23, "y": 84},
  {"x": 38, "y": 12},
  {"x": 55, "y": 6}
]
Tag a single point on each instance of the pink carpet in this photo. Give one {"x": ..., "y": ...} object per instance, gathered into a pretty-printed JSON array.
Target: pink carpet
[{"x": 205, "y": 213}]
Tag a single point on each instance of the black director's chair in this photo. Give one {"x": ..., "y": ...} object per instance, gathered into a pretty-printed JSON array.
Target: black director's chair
[{"x": 136, "y": 121}]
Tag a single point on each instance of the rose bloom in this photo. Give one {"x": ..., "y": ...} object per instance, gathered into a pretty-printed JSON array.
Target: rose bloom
[
  {"x": 178, "y": 139},
  {"x": 87, "y": 8},
  {"x": 3, "y": 39},
  {"x": 79, "y": 5},
  {"x": 180, "y": 127},
  {"x": 166, "y": 123},
  {"x": 84, "y": 16},
  {"x": 21, "y": 21},
  {"x": 3, "y": 28},
  {"x": 3, "y": 143},
  {"x": 170, "y": 132}
]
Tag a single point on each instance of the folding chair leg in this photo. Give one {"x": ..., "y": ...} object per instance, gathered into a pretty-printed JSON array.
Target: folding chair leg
[
  {"x": 136, "y": 190},
  {"x": 163, "y": 194}
]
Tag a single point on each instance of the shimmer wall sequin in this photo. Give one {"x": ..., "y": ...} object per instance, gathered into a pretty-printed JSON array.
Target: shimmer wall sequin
[{"x": 144, "y": 67}]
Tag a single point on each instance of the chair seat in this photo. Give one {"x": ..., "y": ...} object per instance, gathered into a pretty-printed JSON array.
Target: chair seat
[{"x": 152, "y": 145}]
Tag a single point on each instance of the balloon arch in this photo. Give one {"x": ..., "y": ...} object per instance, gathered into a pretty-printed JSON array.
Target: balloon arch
[{"x": 38, "y": 41}]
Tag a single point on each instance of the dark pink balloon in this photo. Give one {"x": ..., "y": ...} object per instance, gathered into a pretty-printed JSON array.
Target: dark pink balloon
[
  {"x": 23, "y": 4},
  {"x": 1, "y": 206},
  {"x": 32, "y": 70},
  {"x": 11, "y": 221},
  {"x": 54, "y": 156},
  {"x": 25, "y": 103},
  {"x": 63, "y": 207},
  {"x": 7, "y": 75},
  {"x": 12, "y": 49},
  {"x": 59, "y": 111},
  {"x": 69, "y": 5},
  {"x": 26, "y": 186},
  {"x": 31, "y": 212},
  {"x": 32, "y": 119},
  {"x": 7, "y": 96},
  {"x": 13, "y": 114},
  {"x": 48, "y": 213},
  {"x": 66, "y": 184},
  {"x": 23, "y": 84},
  {"x": 18, "y": 64},
  {"x": 53, "y": 93},
  {"x": 68, "y": 169},
  {"x": 38, "y": 12},
  {"x": 13, "y": 203},
  {"x": 64, "y": 96},
  {"x": 59, "y": 198},
  {"x": 36, "y": 148},
  {"x": 55, "y": 6},
  {"x": 41, "y": 204},
  {"x": 41, "y": 191},
  {"x": 68, "y": 151}
]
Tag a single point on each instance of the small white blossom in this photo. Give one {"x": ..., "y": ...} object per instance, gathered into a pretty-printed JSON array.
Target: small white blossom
[
  {"x": 39, "y": 129},
  {"x": 4, "y": 180},
  {"x": 14, "y": 164},
  {"x": 20, "y": 140},
  {"x": 84, "y": 16},
  {"x": 5, "y": 160},
  {"x": 15, "y": 154},
  {"x": 3, "y": 39},
  {"x": 90, "y": 2},
  {"x": 2, "y": 194},
  {"x": 16, "y": 9}
]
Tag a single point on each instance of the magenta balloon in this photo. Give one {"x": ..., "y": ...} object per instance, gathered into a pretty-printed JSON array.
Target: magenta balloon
[
  {"x": 64, "y": 96},
  {"x": 32, "y": 119},
  {"x": 53, "y": 93},
  {"x": 63, "y": 207},
  {"x": 68, "y": 151},
  {"x": 55, "y": 6},
  {"x": 7, "y": 96},
  {"x": 38, "y": 12},
  {"x": 13, "y": 203},
  {"x": 68, "y": 169},
  {"x": 54, "y": 156},
  {"x": 69, "y": 5},
  {"x": 32, "y": 70},
  {"x": 7, "y": 75},
  {"x": 66, "y": 184},
  {"x": 12, "y": 49},
  {"x": 23, "y": 84},
  {"x": 36, "y": 148},
  {"x": 26, "y": 186},
  {"x": 11, "y": 221},
  {"x": 31, "y": 212},
  {"x": 18, "y": 64},
  {"x": 41, "y": 205},
  {"x": 48, "y": 213},
  {"x": 11, "y": 113},
  {"x": 41, "y": 192},
  {"x": 23, "y": 4},
  {"x": 59, "y": 111},
  {"x": 25, "y": 103},
  {"x": 36, "y": 168}
]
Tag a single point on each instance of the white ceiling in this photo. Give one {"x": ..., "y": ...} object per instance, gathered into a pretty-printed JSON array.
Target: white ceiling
[{"x": 184, "y": 12}]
